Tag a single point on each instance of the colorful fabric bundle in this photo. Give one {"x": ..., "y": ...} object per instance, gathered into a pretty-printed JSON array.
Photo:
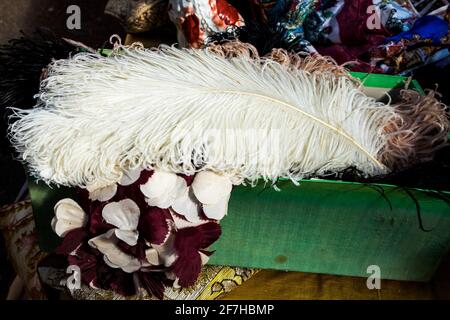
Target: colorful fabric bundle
[
  {"x": 366, "y": 33},
  {"x": 425, "y": 43},
  {"x": 197, "y": 19}
]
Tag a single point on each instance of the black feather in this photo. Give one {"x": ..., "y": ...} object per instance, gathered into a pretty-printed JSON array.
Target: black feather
[
  {"x": 22, "y": 62},
  {"x": 259, "y": 34}
]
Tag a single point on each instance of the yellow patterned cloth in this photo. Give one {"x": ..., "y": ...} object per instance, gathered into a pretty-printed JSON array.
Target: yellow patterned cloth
[{"x": 214, "y": 282}]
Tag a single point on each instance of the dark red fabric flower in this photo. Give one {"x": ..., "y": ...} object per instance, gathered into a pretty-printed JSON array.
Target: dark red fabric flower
[
  {"x": 87, "y": 260},
  {"x": 72, "y": 240},
  {"x": 153, "y": 225},
  {"x": 154, "y": 283},
  {"x": 137, "y": 250},
  {"x": 98, "y": 225},
  {"x": 115, "y": 279},
  {"x": 188, "y": 179},
  {"x": 189, "y": 242},
  {"x": 163, "y": 244}
]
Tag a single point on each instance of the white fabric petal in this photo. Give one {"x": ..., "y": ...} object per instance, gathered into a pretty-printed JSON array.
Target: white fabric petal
[
  {"x": 204, "y": 258},
  {"x": 102, "y": 194},
  {"x": 133, "y": 266},
  {"x": 187, "y": 206},
  {"x": 123, "y": 214},
  {"x": 158, "y": 184},
  {"x": 181, "y": 223},
  {"x": 104, "y": 241},
  {"x": 113, "y": 256},
  {"x": 166, "y": 199},
  {"x": 218, "y": 210},
  {"x": 152, "y": 256},
  {"x": 210, "y": 187},
  {"x": 68, "y": 216},
  {"x": 130, "y": 237},
  {"x": 91, "y": 284},
  {"x": 176, "y": 283},
  {"x": 166, "y": 252},
  {"x": 130, "y": 177},
  {"x": 109, "y": 263},
  {"x": 118, "y": 257},
  {"x": 70, "y": 210}
]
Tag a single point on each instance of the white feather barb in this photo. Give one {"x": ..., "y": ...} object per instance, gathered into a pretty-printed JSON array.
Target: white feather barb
[{"x": 190, "y": 110}]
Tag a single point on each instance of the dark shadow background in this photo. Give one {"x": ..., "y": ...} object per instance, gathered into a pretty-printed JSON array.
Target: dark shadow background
[{"x": 25, "y": 16}]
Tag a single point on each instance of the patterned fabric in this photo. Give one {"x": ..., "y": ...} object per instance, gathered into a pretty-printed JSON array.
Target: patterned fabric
[
  {"x": 139, "y": 16},
  {"x": 197, "y": 19},
  {"x": 215, "y": 282},
  {"x": 325, "y": 22},
  {"x": 425, "y": 43},
  {"x": 18, "y": 228}
]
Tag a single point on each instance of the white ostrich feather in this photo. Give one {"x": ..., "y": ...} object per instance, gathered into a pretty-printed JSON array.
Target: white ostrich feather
[{"x": 190, "y": 110}]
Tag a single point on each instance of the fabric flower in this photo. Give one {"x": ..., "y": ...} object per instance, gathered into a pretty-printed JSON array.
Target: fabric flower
[
  {"x": 72, "y": 241},
  {"x": 190, "y": 244},
  {"x": 155, "y": 225},
  {"x": 68, "y": 216},
  {"x": 129, "y": 177},
  {"x": 163, "y": 188},
  {"x": 149, "y": 230},
  {"x": 188, "y": 206},
  {"x": 124, "y": 215},
  {"x": 208, "y": 194},
  {"x": 112, "y": 255},
  {"x": 154, "y": 283},
  {"x": 213, "y": 191},
  {"x": 101, "y": 193}
]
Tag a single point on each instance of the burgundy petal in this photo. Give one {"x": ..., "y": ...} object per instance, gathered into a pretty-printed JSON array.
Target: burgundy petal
[
  {"x": 154, "y": 283},
  {"x": 188, "y": 179},
  {"x": 131, "y": 192},
  {"x": 98, "y": 225},
  {"x": 196, "y": 238},
  {"x": 116, "y": 280},
  {"x": 145, "y": 175},
  {"x": 188, "y": 243},
  {"x": 187, "y": 268},
  {"x": 210, "y": 231},
  {"x": 137, "y": 250},
  {"x": 71, "y": 241},
  {"x": 153, "y": 225},
  {"x": 207, "y": 253},
  {"x": 187, "y": 240},
  {"x": 83, "y": 199},
  {"x": 87, "y": 261}
]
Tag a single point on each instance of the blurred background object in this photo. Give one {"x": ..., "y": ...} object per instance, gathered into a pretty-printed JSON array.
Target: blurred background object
[{"x": 27, "y": 15}]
